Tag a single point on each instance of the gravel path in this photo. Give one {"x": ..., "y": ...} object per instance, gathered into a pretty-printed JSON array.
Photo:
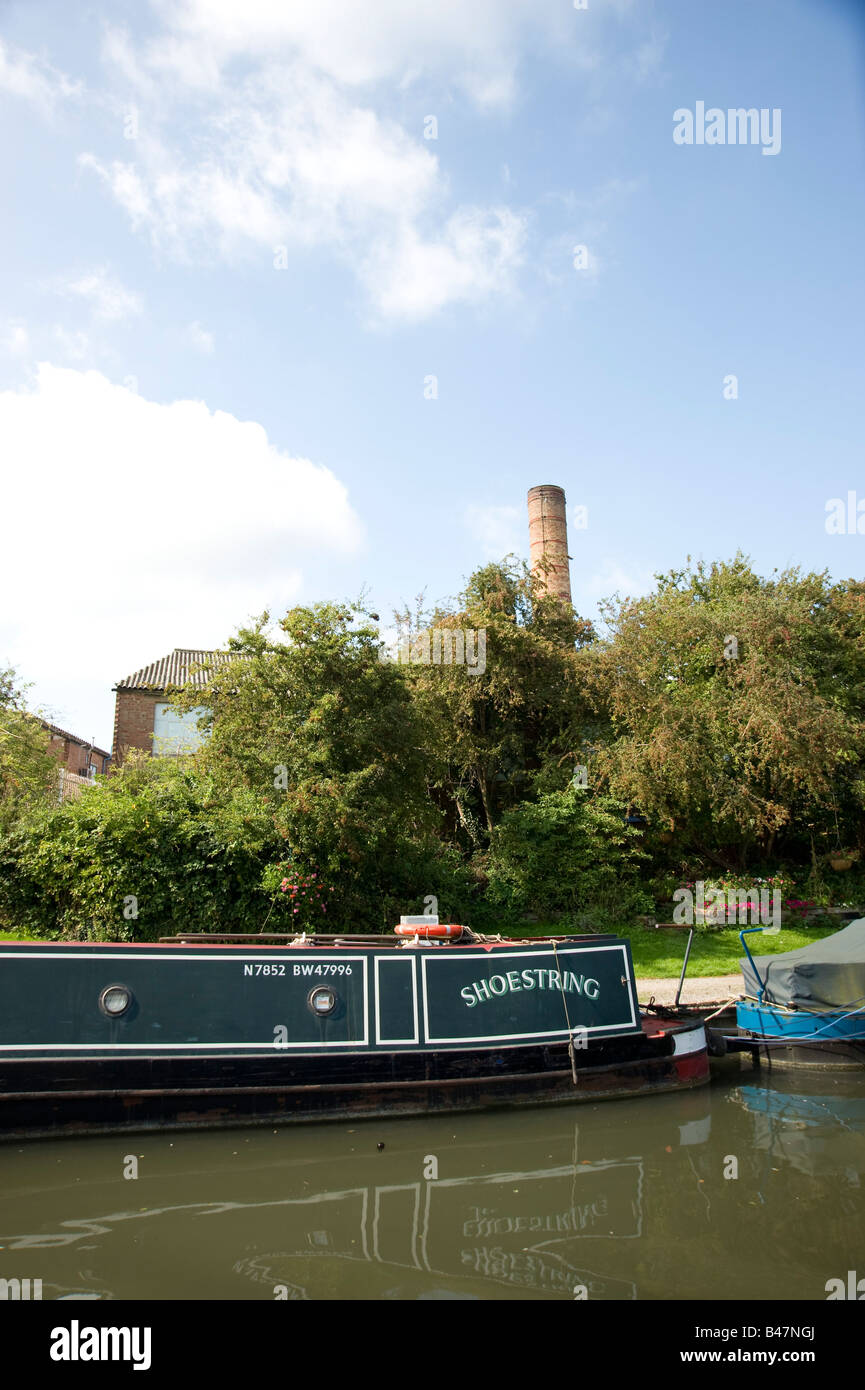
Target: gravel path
[{"x": 706, "y": 989}]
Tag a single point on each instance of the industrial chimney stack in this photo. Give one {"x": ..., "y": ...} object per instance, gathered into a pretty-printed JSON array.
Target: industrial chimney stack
[{"x": 548, "y": 539}]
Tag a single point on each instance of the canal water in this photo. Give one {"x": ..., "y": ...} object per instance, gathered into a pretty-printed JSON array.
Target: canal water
[{"x": 748, "y": 1188}]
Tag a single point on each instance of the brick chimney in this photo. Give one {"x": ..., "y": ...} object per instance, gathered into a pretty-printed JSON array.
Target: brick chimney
[{"x": 548, "y": 538}]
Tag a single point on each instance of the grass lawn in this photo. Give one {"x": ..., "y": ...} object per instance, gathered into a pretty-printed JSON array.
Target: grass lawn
[{"x": 659, "y": 954}]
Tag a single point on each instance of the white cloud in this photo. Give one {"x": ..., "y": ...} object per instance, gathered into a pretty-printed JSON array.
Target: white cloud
[
  {"x": 134, "y": 527},
  {"x": 33, "y": 79},
  {"x": 286, "y": 148},
  {"x": 274, "y": 125},
  {"x": 107, "y": 297},
  {"x": 16, "y": 338},
  {"x": 73, "y": 344},
  {"x": 478, "y": 46},
  {"x": 200, "y": 338},
  {"x": 612, "y": 578},
  {"x": 301, "y": 166},
  {"x": 476, "y": 256},
  {"x": 497, "y": 530}
]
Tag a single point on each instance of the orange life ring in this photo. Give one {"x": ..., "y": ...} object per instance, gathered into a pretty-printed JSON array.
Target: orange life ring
[{"x": 431, "y": 929}]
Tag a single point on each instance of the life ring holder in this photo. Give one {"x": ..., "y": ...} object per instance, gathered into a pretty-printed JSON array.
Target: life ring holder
[{"x": 435, "y": 931}]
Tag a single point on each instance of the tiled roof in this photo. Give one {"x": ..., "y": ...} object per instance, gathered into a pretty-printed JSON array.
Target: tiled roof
[
  {"x": 174, "y": 669},
  {"x": 73, "y": 738}
]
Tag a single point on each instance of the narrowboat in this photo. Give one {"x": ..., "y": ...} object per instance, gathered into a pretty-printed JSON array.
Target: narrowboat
[
  {"x": 805, "y": 1008},
  {"x": 199, "y": 1030}
]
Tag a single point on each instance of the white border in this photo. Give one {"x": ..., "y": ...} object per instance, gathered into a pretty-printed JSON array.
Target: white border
[
  {"x": 694, "y": 1040},
  {"x": 267, "y": 1045},
  {"x": 401, "y": 960},
  {"x": 415, "y": 1228},
  {"x": 549, "y": 1032}
]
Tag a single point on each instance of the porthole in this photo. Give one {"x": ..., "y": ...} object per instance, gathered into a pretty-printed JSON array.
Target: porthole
[
  {"x": 115, "y": 1000},
  {"x": 322, "y": 1001}
]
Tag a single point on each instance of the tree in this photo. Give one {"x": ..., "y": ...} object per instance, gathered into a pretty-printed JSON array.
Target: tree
[
  {"x": 327, "y": 739},
  {"x": 494, "y": 736},
  {"x": 153, "y": 849},
  {"x": 734, "y": 706},
  {"x": 28, "y": 769},
  {"x": 569, "y": 852}
]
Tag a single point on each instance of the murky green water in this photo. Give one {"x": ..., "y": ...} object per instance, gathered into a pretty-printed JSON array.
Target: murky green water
[{"x": 627, "y": 1198}]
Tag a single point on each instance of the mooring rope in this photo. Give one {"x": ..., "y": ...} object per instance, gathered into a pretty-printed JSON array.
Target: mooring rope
[
  {"x": 574, "y": 1076},
  {"x": 725, "y": 1005},
  {"x": 811, "y": 1013}
]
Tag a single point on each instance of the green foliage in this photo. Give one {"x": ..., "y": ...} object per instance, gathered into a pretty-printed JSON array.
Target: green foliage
[
  {"x": 325, "y": 737},
  {"x": 148, "y": 852},
  {"x": 734, "y": 709},
  {"x": 374, "y": 784},
  {"x": 28, "y": 769},
  {"x": 489, "y": 737},
  {"x": 567, "y": 855}
]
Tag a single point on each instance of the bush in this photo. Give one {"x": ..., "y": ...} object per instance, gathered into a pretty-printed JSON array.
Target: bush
[
  {"x": 567, "y": 855},
  {"x": 159, "y": 848},
  {"x": 613, "y": 906},
  {"x": 28, "y": 769},
  {"x": 140, "y": 855}
]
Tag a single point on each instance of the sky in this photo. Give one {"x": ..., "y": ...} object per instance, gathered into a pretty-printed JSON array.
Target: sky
[{"x": 298, "y": 298}]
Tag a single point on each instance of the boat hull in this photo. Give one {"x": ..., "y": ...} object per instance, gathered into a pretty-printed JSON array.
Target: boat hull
[
  {"x": 787, "y": 1038},
  {"x": 227, "y": 1034},
  {"x": 50, "y": 1096}
]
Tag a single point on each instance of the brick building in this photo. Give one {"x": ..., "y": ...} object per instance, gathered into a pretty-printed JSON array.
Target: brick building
[
  {"x": 76, "y": 755},
  {"x": 143, "y": 717}
]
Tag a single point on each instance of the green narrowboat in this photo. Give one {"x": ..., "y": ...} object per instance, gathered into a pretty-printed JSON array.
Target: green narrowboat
[{"x": 197, "y": 1030}]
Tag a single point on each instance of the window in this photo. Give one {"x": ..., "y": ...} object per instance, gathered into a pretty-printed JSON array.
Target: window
[{"x": 175, "y": 732}]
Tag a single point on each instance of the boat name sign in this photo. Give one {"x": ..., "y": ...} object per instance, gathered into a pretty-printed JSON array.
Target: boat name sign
[{"x": 514, "y": 981}]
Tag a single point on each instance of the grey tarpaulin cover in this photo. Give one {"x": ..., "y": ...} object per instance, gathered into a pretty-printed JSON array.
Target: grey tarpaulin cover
[{"x": 827, "y": 974}]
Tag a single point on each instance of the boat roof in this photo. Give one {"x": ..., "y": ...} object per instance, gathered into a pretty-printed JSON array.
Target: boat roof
[{"x": 243, "y": 941}]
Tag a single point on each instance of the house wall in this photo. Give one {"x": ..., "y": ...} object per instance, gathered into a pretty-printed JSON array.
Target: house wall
[
  {"x": 75, "y": 756},
  {"x": 133, "y": 721},
  {"x": 67, "y": 753}
]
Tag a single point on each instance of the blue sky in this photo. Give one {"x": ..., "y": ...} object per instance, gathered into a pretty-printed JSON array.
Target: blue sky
[{"x": 189, "y": 434}]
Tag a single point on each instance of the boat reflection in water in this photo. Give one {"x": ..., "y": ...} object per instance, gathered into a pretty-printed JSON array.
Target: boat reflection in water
[
  {"x": 528, "y": 1209},
  {"x": 607, "y": 1202},
  {"x": 515, "y": 1228},
  {"x": 809, "y": 1122}
]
